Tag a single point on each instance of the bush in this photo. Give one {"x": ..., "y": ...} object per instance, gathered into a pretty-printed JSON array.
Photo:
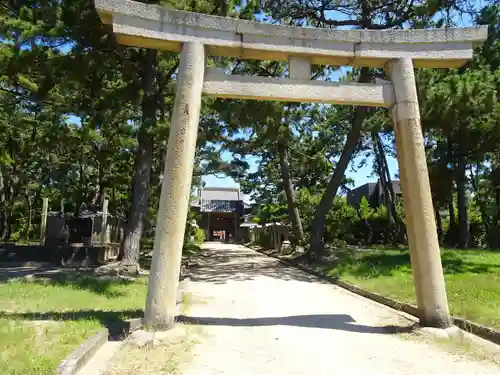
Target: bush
[
  {"x": 340, "y": 222},
  {"x": 263, "y": 239},
  {"x": 199, "y": 236}
]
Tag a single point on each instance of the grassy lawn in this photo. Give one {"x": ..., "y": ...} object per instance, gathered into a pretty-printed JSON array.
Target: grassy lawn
[
  {"x": 472, "y": 279},
  {"x": 42, "y": 320}
]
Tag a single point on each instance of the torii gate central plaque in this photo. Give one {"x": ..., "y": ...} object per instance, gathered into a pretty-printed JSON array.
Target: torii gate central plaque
[{"x": 197, "y": 35}]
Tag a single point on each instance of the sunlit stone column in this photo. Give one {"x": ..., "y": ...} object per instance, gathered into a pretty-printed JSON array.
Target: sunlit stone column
[
  {"x": 422, "y": 235},
  {"x": 174, "y": 201}
]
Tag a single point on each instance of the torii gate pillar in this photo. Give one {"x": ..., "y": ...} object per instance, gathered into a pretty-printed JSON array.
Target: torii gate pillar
[
  {"x": 419, "y": 211},
  {"x": 176, "y": 188}
]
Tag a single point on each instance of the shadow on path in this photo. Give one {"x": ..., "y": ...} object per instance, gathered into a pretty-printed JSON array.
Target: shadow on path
[
  {"x": 218, "y": 266},
  {"x": 341, "y": 322}
]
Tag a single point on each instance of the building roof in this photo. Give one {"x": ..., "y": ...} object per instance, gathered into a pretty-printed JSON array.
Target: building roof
[
  {"x": 370, "y": 186},
  {"x": 220, "y": 194},
  {"x": 249, "y": 224},
  {"x": 220, "y": 199}
]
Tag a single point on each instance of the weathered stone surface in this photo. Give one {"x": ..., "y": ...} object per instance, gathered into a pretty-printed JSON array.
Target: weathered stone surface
[
  {"x": 153, "y": 26},
  {"x": 265, "y": 88},
  {"x": 141, "y": 338},
  {"x": 174, "y": 200},
  {"x": 422, "y": 235},
  {"x": 299, "y": 67},
  {"x": 436, "y": 333}
]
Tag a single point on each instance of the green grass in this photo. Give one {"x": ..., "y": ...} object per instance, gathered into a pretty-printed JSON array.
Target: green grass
[
  {"x": 472, "y": 279},
  {"x": 43, "y": 320}
]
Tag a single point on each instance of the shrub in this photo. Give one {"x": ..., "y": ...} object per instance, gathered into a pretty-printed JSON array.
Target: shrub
[{"x": 199, "y": 236}]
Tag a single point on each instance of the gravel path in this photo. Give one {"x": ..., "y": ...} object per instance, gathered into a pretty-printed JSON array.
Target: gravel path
[{"x": 261, "y": 317}]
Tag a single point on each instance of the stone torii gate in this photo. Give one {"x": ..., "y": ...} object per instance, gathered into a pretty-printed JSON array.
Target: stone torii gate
[{"x": 196, "y": 36}]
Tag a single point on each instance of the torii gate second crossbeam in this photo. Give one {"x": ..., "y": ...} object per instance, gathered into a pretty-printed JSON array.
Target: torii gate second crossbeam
[{"x": 197, "y": 35}]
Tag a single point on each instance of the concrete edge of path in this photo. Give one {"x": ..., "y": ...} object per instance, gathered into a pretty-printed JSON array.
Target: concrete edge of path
[
  {"x": 83, "y": 354},
  {"x": 476, "y": 329},
  {"x": 86, "y": 352}
]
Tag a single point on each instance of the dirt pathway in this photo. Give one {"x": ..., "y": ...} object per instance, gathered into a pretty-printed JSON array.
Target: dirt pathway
[{"x": 260, "y": 317}]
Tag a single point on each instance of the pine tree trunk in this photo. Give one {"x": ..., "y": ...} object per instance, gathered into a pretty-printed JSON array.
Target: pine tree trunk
[
  {"x": 439, "y": 225},
  {"x": 492, "y": 233},
  {"x": 381, "y": 172},
  {"x": 129, "y": 252},
  {"x": 82, "y": 186},
  {"x": 3, "y": 209},
  {"x": 7, "y": 196},
  {"x": 451, "y": 212},
  {"x": 463, "y": 220},
  {"x": 399, "y": 236},
  {"x": 450, "y": 237},
  {"x": 8, "y": 227},
  {"x": 390, "y": 188},
  {"x": 30, "y": 218},
  {"x": 112, "y": 202},
  {"x": 98, "y": 198},
  {"x": 3, "y": 225},
  {"x": 317, "y": 245},
  {"x": 293, "y": 210}
]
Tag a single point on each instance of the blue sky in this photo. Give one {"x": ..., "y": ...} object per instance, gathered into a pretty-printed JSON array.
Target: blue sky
[{"x": 360, "y": 175}]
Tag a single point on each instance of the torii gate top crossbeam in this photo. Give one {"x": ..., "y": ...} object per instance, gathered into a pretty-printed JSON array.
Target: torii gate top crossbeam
[{"x": 150, "y": 26}]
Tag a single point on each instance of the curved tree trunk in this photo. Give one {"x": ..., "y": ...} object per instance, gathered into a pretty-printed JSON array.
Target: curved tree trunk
[
  {"x": 98, "y": 198},
  {"x": 129, "y": 252},
  {"x": 8, "y": 224},
  {"x": 451, "y": 211},
  {"x": 317, "y": 245},
  {"x": 3, "y": 209},
  {"x": 3, "y": 225},
  {"x": 384, "y": 183},
  {"x": 387, "y": 179},
  {"x": 29, "y": 211},
  {"x": 399, "y": 235},
  {"x": 450, "y": 236},
  {"x": 463, "y": 220},
  {"x": 6, "y": 198},
  {"x": 439, "y": 225},
  {"x": 293, "y": 210}
]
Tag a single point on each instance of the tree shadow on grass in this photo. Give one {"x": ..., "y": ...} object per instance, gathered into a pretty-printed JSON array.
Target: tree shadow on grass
[
  {"x": 115, "y": 321},
  {"x": 97, "y": 285},
  {"x": 101, "y": 286},
  {"x": 453, "y": 263},
  {"x": 387, "y": 263},
  {"x": 189, "y": 251},
  {"x": 77, "y": 279}
]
